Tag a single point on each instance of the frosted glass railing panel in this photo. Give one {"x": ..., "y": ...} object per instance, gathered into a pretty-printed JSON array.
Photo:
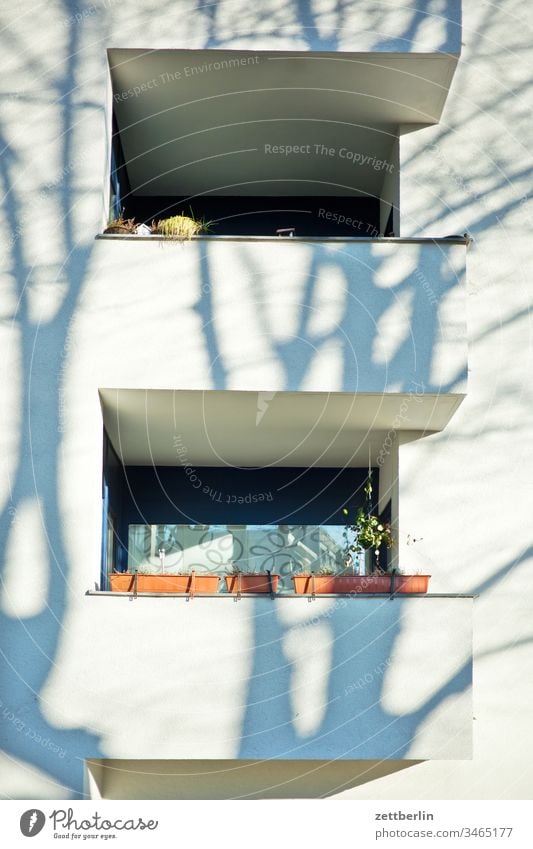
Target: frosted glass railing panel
[
  {"x": 282, "y": 549},
  {"x": 206, "y": 548}
]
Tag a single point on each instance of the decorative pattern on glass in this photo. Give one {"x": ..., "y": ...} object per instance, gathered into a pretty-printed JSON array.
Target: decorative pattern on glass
[{"x": 217, "y": 549}]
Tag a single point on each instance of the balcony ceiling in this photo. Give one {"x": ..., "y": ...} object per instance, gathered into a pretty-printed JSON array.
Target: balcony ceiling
[
  {"x": 195, "y": 121},
  {"x": 216, "y": 428}
]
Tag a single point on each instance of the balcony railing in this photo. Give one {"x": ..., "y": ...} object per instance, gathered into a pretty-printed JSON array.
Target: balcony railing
[
  {"x": 375, "y": 316},
  {"x": 217, "y": 549}
]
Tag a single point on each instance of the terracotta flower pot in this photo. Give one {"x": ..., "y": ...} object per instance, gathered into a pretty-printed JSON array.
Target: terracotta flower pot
[
  {"x": 411, "y": 583},
  {"x": 258, "y": 583},
  {"x": 343, "y": 584},
  {"x": 124, "y": 582}
]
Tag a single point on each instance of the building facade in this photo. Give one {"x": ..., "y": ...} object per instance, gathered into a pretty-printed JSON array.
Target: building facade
[{"x": 355, "y": 310}]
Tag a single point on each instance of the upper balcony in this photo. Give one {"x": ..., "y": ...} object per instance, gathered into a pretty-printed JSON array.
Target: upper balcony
[
  {"x": 256, "y": 142},
  {"x": 383, "y": 318}
]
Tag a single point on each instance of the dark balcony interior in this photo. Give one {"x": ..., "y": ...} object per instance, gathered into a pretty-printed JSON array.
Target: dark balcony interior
[
  {"x": 217, "y": 496},
  {"x": 352, "y": 215},
  {"x": 263, "y": 216},
  {"x": 319, "y": 216}
]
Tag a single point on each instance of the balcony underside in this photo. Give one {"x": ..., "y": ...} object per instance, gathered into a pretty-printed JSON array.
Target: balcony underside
[
  {"x": 195, "y": 121},
  {"x": 262, "y": 428},
  {"x": 232, "y": 779}
]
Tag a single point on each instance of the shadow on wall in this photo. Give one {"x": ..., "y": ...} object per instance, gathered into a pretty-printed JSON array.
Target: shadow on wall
[
  {"x": 319, "y": 34},
  {"x": 447, "y": 16},
  {"x": 317, "y": 688},
  {"x": 30, "y": 643},
  {"x": 352, "y": 335}
]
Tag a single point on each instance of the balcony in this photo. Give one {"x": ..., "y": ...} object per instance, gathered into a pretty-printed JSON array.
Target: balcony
[
  {"x": 317, "y": 321},
  {"x": 346, "y": 678},
  {"x": 258, "y": 142},
  {"x": 247, "y": 353}
]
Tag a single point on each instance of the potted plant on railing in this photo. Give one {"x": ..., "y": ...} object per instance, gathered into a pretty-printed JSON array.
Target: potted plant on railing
[
  {"x": 121, "y": 226},
  {"x": 164, "y": 581},
  {"x": 180, "y": 227},
  {"x": 241, "y": 582},
  {"x": 366, "y": 533},
  {"x": 335, "y": 583}
]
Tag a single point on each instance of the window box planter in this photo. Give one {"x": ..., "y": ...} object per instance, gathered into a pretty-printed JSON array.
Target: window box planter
[
  {"x": 124, "y": 582},
  {"x": 343, "y": 584},
  {"x": 411, "y": 583},
  {"x": 261, "y": 582}
]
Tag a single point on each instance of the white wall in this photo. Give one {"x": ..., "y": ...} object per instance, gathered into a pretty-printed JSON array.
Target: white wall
[
  {"x": 473, "y": 172},
  {"x": 335, "y": 678},
  {"x": 273, "y": 315}
]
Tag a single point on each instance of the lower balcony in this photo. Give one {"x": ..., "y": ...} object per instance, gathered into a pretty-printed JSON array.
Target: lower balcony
[{"x": 340, "y": 678}]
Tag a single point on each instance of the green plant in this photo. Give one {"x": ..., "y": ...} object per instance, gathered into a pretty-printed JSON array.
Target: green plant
[
  {"x": 180, "y": 227},
  {"x": 367, "y": 529},
  {"x": 326, "y": 570}
]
